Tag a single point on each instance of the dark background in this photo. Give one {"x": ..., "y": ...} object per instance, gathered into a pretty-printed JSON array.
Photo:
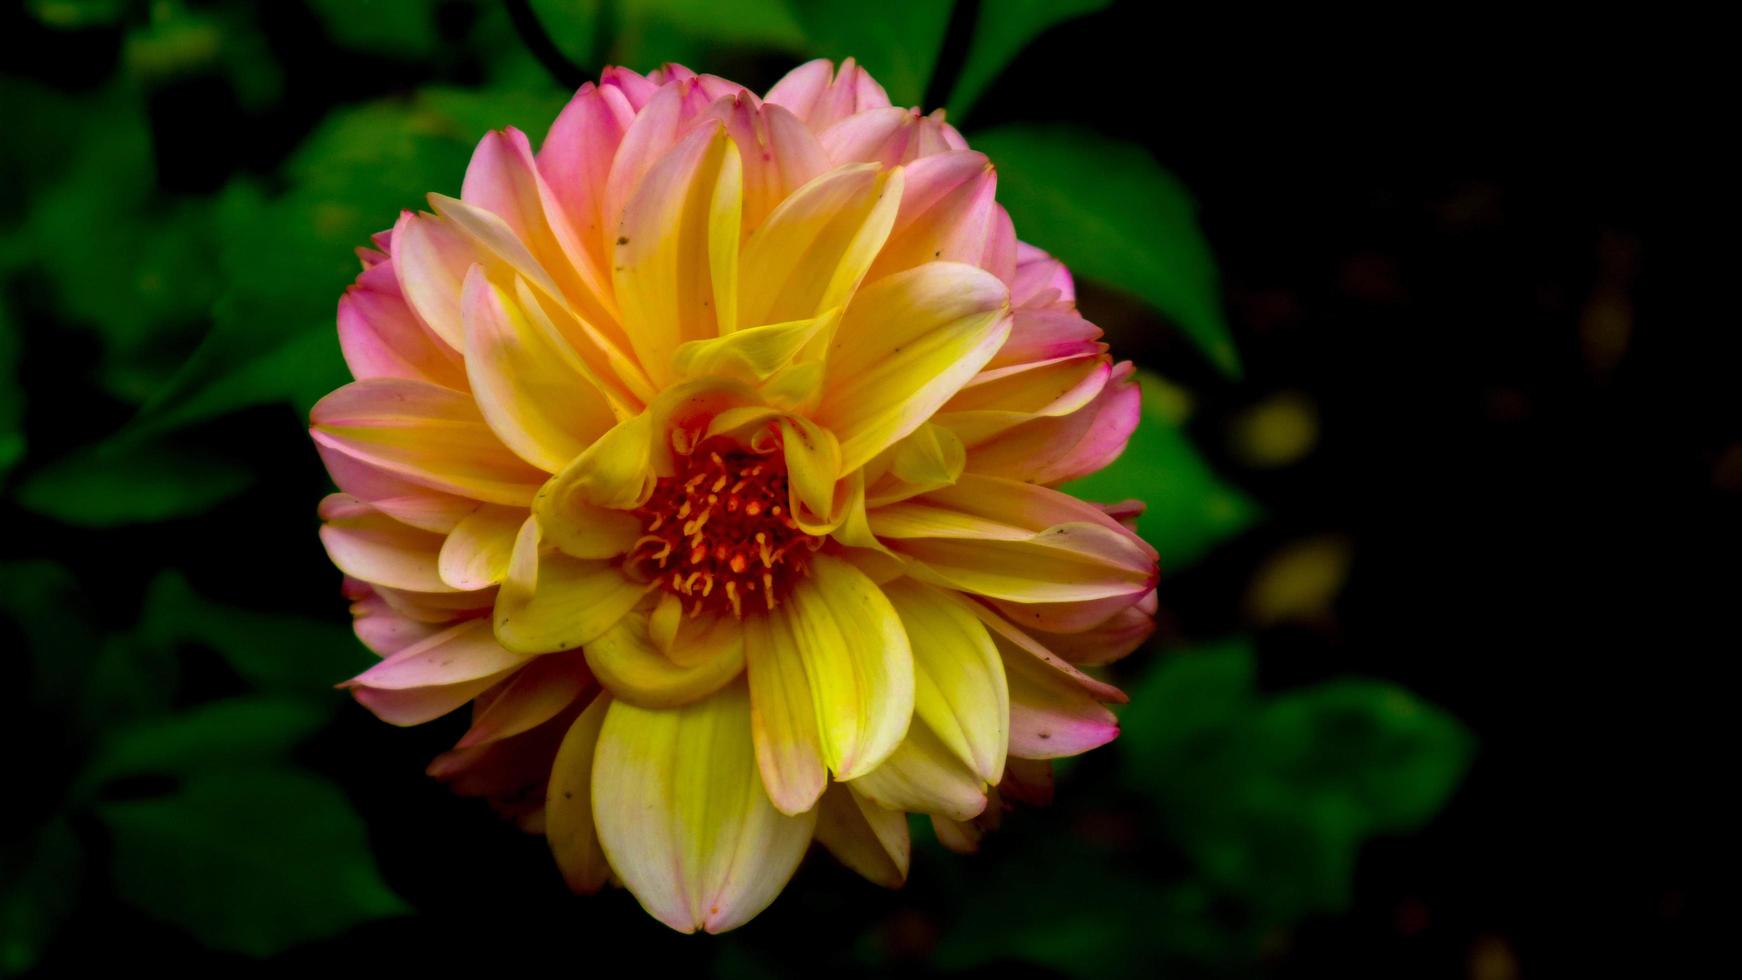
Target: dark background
[{"x": 1445, "y": 257}]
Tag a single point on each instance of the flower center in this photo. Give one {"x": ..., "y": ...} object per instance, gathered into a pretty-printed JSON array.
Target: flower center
[{"x": 718, "y": 532}]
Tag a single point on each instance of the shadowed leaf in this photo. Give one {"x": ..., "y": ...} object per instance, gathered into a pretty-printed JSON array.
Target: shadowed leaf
[
  {"x": 249, "y": 861},
  {"x": 1113, "y": 214}
]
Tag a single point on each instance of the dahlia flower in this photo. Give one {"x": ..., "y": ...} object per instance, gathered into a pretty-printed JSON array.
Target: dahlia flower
[{"x": 708, "y": 453}]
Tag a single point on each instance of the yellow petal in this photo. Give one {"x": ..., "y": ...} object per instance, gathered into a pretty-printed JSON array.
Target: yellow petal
[
  {"x": 629, "y": 663},
  {"x": 924, "y": 776},
  {"x": 783, "y": 716},
  {"x": 754, "y": 354},
  {"x": 929, "y": 458},
  {"x": 529, "y": 393},
  {"x": 475, "y": 554},
  {"x": 959, "y": 686},
  {"x": 568, "y": 803},
  {"x": 552, "y": 602},
  {"x": 814, "y": 249},
  {"x": 582, "y": 530},
  {"x": 858, "y": 662},
  {"x": 868, "y": 838},
  {"x": 682, "y": 816},
  {"x": 426, "y": 434},
  {"x": 663, "y": 266},
  {"x": 906, "y": 344},
  {"x": 813, "y": 458}
]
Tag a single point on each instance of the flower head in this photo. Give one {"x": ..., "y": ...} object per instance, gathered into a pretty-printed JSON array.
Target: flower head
[{"x": 708, "y": 453}]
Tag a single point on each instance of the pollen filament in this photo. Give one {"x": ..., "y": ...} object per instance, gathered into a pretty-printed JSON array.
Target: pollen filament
[{"x": 717, "y": 533}]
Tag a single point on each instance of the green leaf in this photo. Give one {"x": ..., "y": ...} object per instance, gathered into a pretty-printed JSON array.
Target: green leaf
[
  {"x": 1190, "y": 508},
  {"x": 11, "y": 396},
  {"x": 59, "y": 628},
  {"x": 122, "y": 259},
  {"x": 652, "y": 32},
  {"x": 287, "y": 259},
  {"x": 574, "y": 27},
  {"x": 178, "y": 41},
  {"x": 1001, "y": 30},
  {"x": 74, "y": 15},
  {"x": 1114, "y": 215},
  {"x": 216, "y": 734},
  {"x": 896, "y": 40},
  {"x": 39, "y": 884},
  {"x": 400, "y": 28},
  {"x": 252, "y": 861},
  {"x": 115, "y": 484},
  {"x": 275, "y": 653},
  {"x": 1272, "y": 797}
]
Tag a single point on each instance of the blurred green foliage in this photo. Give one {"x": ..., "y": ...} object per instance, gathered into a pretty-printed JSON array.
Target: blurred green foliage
[
  {"x": 1271, "y": 795},
  {"x": 197, "y": 304}
]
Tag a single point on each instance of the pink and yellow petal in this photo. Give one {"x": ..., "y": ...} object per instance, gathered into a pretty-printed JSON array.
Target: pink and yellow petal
[
  {"x": 907, "y": 344},
  {"x": 424, "y": 434}
]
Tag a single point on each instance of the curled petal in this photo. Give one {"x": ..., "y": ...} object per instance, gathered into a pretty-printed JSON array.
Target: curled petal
[
  {"x": 475, "y": 554},
  {"x": 705, "y": 656},
  {"x": 1040, "y": 279},
  {"x": 552, "y": 602}
]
